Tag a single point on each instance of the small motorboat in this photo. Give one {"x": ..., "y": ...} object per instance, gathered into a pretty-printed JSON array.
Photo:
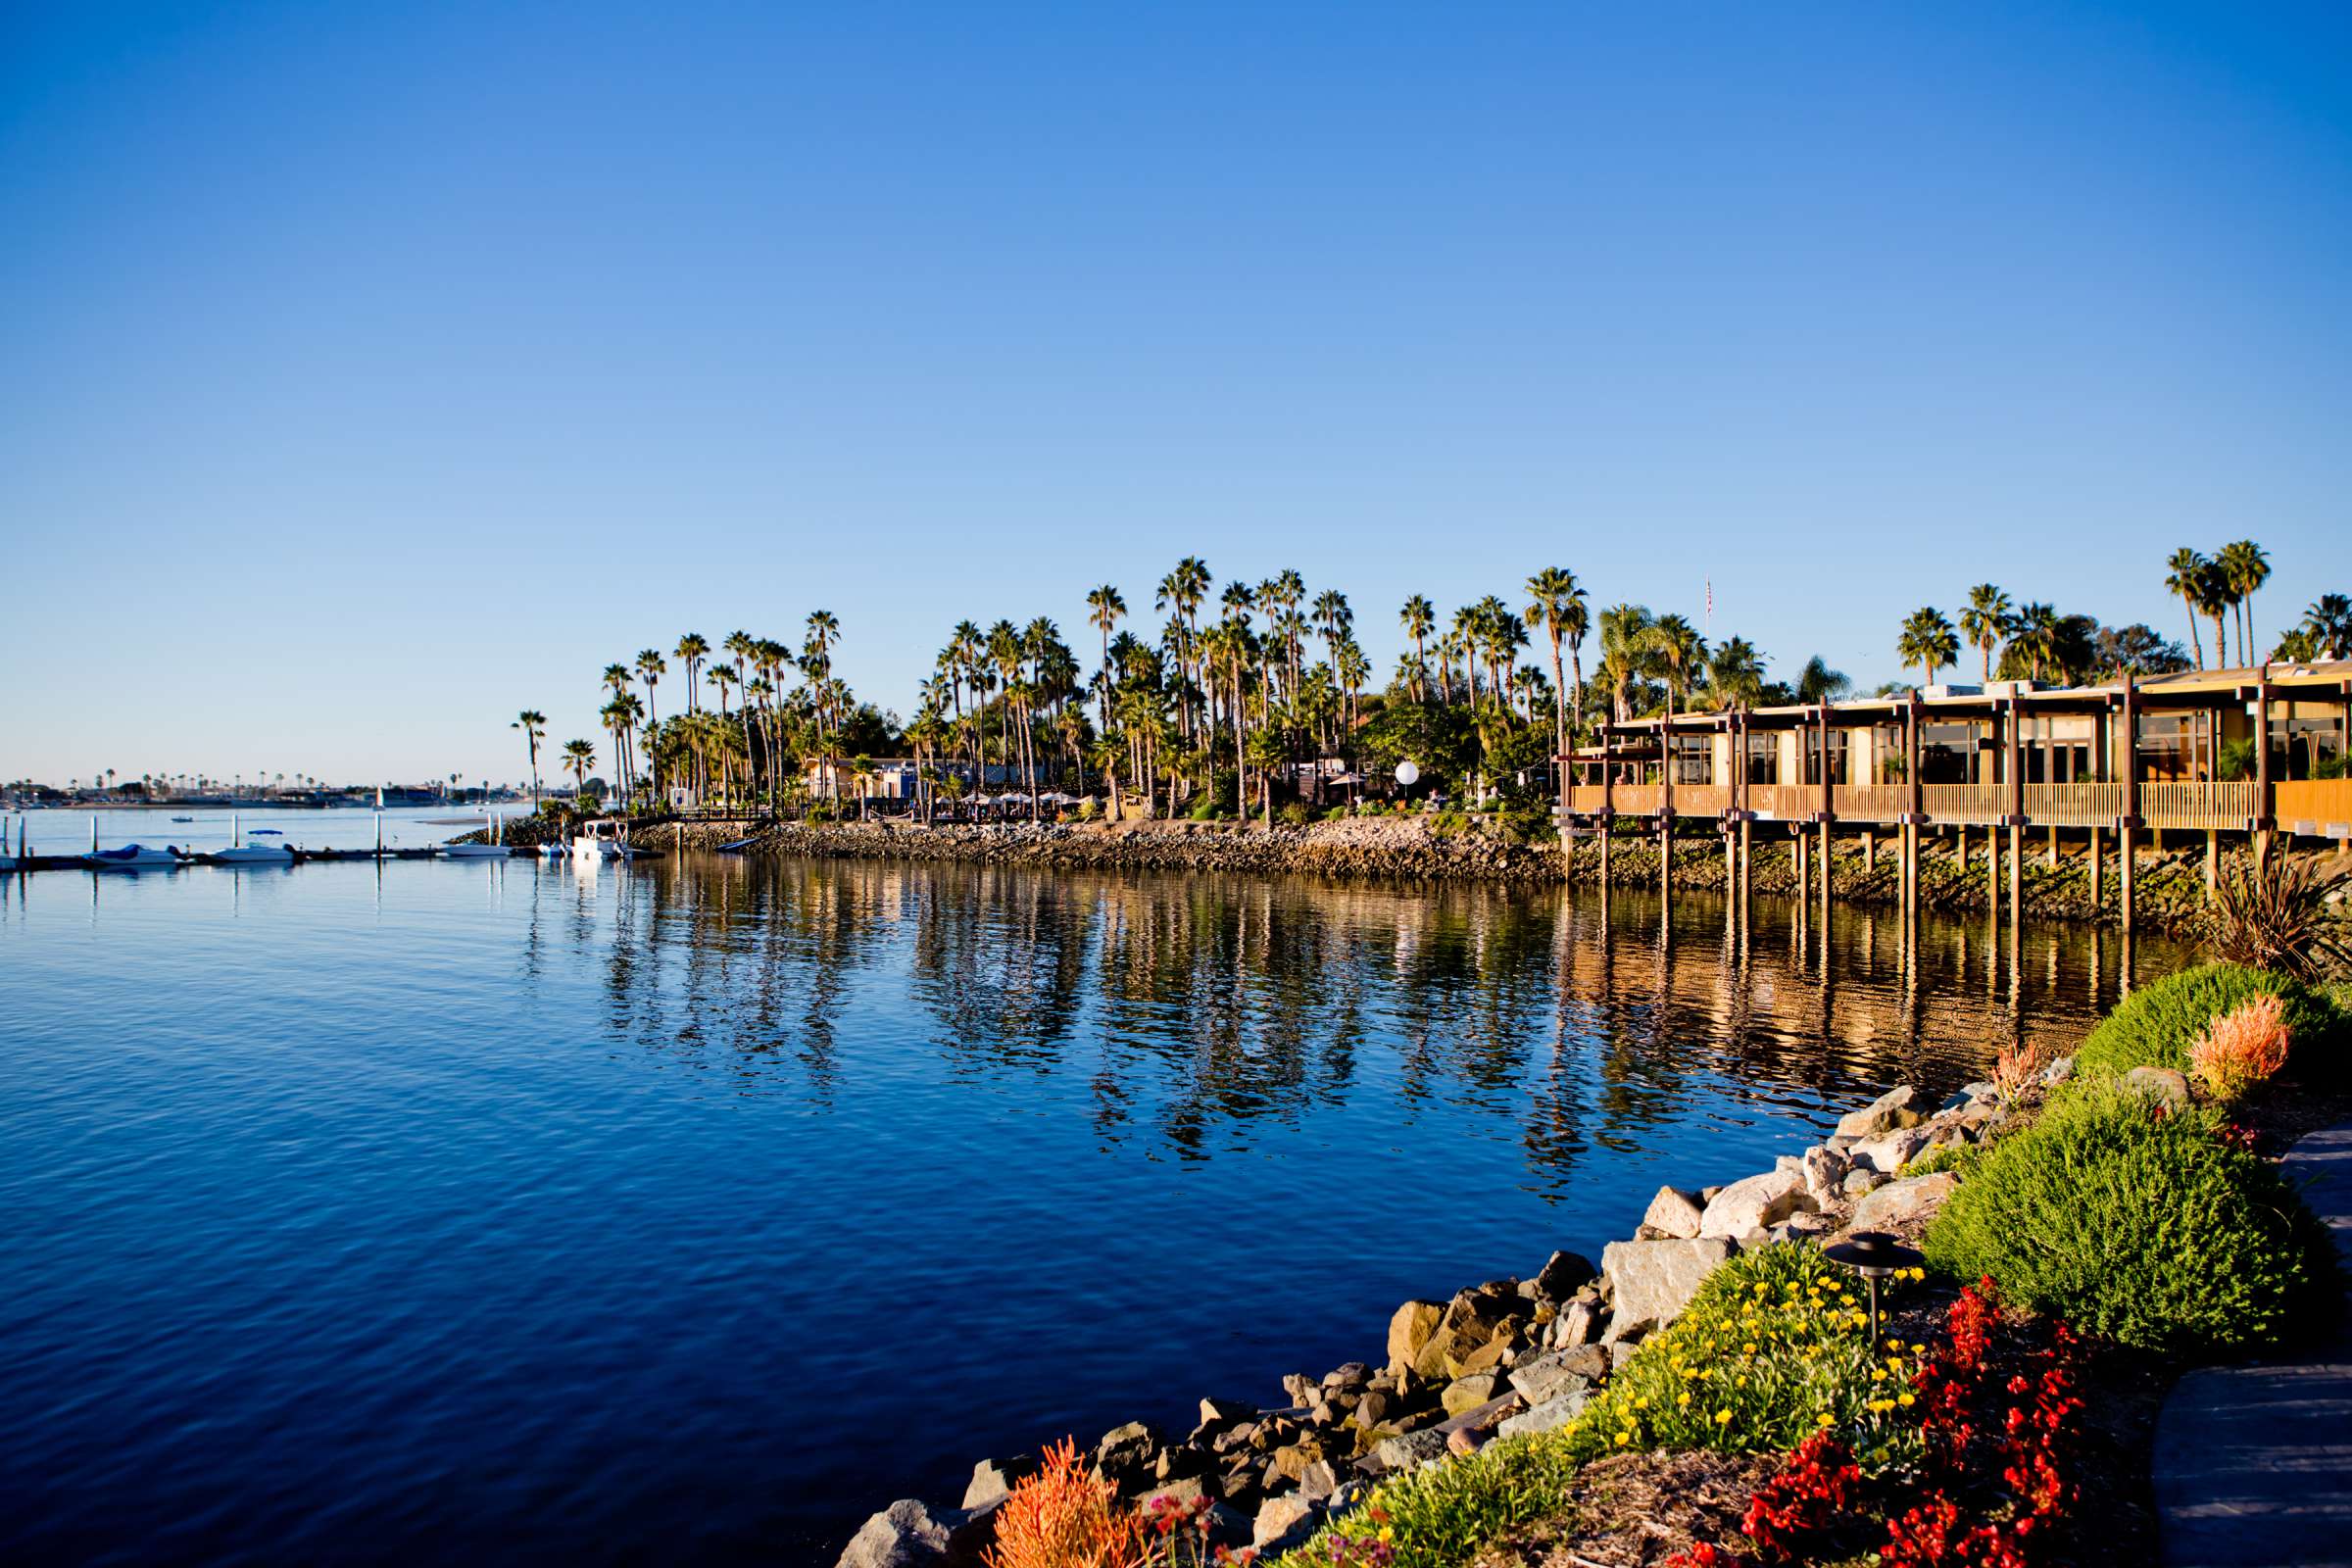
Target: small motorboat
[
  {"x": 183, "y": 819},
  {"x": 551, "y": 851},
  {"x": 604, "y": 838},
  {"x": 134, "y": 858},
  {"x": 240, "y": 852}
]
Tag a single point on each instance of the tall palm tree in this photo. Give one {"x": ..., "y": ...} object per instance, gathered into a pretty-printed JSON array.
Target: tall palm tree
[
  {"x": 1986, "y": 621},
  {"x": 1675, "y": 651},
  {"x": 650, "y": 668},
  {"x": 2244, "y": 568},
  {"x": 533, "y": 725},
  {"x": 2214, "y": 598},
  {"x": 1624, "y": 656},
  {"x": 1554, "y": 596},
  {"x": 1928, "y": 640},
  {"x": 691, "y": 651},
  {"x": 1105, "y": 607},
  {"x": 2185, "y": 579},
  {"x": 1419, "y": 618},
  {"x": 2035, "y": 638}
]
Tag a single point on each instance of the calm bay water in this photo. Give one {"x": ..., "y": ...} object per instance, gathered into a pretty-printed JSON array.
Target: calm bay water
[{"x": 693, "y": 1211}]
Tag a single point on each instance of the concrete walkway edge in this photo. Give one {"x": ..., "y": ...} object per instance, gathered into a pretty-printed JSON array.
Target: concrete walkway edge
[{"x": 2253, "y": 1463}]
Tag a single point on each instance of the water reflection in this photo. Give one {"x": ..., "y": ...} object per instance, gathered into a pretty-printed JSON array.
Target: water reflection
[{"x": 1196, "y": 1009}]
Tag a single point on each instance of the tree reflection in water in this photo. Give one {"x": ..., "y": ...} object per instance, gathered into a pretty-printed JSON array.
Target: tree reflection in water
[{"x": 1203, "y": 1013}]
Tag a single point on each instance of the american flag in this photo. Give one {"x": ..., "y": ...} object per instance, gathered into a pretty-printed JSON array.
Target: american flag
[{"x": 1710, "y": 604}]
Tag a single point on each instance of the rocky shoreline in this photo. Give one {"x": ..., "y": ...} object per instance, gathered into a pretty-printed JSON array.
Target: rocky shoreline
[
  {"x": 2171, "y": 892},
  {"x": 1505, "y": 1356}
]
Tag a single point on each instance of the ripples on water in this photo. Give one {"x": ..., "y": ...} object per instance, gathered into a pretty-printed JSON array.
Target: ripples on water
[{"x": 693, "y": 1211}]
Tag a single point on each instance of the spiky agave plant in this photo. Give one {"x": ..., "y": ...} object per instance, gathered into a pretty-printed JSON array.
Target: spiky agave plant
[{"x": 2274, "y": 914}]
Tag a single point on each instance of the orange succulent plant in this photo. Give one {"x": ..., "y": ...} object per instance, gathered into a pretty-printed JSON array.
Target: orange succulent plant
[{"x": 1066, "y": 1517}]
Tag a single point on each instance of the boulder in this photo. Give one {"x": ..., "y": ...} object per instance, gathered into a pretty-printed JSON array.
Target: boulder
[
  {"x": 1625, "y": 1330},
  {"x": 1562, "y": 1275},
  {"x": 1881, "y": 1116},
  {"x": 1409, "y": 1329},
  {"x": 1824, "y": 1168},
  {"x": 1553, "y": 1412},
  {"x": 1182, "y": 1492},
  {"x": 1621, "y": 1352},
  {"x": 1555, "y": 1372},
  {"x": 1411, "y": 1451},
  {"x": 905, "y": 1535},
  {"x": 1473, "y": 1389},
  {"x": 1904, "y": 1205},
  {"x": 2057, "y": 1073},
  {"x": 1354, "y": 1374},
  {"x": 1674, "y": 1213},
  {"x": 2159, "y": 1086},
  {"x": 1282, "y": 1521},
  {"x": 1861, "y": 1179},
  {"x": 1654, "y": 1280},
  {"x": 1215, "y": 1412},
  {"x": 992, "y": 1481},
  {"x": 1124, "y": 1457},
  {"x": 1892, "y": 1153},
  {"x": 1578, "y": 1323},
  {"x": 1472, "y": 1320},
  {"x": 1756, "y": 1203},
  {"x": 1319, "y": 1481}
]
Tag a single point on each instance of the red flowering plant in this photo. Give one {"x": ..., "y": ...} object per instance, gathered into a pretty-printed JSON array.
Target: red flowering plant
[{"x": 1992, "y": 1480}]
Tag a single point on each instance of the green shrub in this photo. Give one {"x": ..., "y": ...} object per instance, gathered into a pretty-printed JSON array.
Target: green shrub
[
  {"x": 1449, "y": 822},
  {"x": 1774, "y": 1346},
  {"x": 1961, "y": 1157},
  {"x": 1296, "y": 813},
  {"x": 2155, "y": 1025},
  {"x": 1447, "y": 1512},
  {"x": 2139, "y": 1227}
]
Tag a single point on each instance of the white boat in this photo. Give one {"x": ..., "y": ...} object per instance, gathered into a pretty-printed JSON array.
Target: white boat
[
  {"x": 133, "y": 857},
  {"x": 604, "y": 837},
  {"x": 551, "y": 851},
  {"x": 240, "y": 852}
]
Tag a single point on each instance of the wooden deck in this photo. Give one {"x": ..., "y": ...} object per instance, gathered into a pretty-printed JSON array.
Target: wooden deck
[{"x": 2311, "y": 807}]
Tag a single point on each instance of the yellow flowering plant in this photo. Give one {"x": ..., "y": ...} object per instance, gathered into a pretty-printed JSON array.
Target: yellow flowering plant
[{"x": 1774, "y": 1348}]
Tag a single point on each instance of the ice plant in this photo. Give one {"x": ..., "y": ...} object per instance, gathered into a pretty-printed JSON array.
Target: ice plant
[
  {"x": 1065, "y": 1517},
  {"x": 2240, "y": 1049}
]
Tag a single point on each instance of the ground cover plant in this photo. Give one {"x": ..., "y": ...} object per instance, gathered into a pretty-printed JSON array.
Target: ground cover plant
[
  {"x": 2145, "y": 1225},
  {"x": 2157, "y": 1025}
]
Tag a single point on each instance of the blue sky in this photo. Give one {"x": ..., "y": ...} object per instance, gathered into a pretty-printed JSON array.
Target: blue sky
[{"x": 367, "y": 373}]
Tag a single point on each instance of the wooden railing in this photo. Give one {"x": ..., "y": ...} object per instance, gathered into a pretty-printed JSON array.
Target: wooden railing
[
  {"x": 1872, "y": 803},
  {"x": 2308, "y": 806},
  {"x": 2074, "y": 804},
  {"x": 2230, "y": 806},
  {"x": 1784, "y": 803},
  {"x": 2315, "y": 806},
  {"x": 1964, "y": 803},
  {"x": 1702, "y": 800},
  {"x": 1638, "y": 800}
]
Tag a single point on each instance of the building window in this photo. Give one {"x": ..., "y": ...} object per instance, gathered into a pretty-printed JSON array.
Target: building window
[
  {"x": 1947, "y": 754},
  {"x": 1763, "y": 758},
  {"x": 1838, "y": 739},
  {"x": 1694, "y": 760},
  {"x": 2307, "y": 747},
  {"x": 2174, "y": 747}
]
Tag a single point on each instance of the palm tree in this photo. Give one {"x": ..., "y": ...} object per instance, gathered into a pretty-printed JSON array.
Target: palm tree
[
  {"x": 2034, "y": 637},
  {"x": 1103, "y": 608},
  {"x": 579, "y": 756},
  {"x": 2185, "y": 579},
  {"x": 2329, "y": 622},
  {"x": 691, "y": 651},
  {"x": 1674, "y": 650},
  {"x": 1819, "y": 682},
  {"x": 1624, "y": 656},
  {"x": 1928, "y": 640},
  {"x": 1419, "y": 618},
  {"x": 1734, "y": 674},
  {"x": 1986, "y": 621},
  {"x": 533, "y": 725},
  {"x": 650, "y": 668},
  {"x": 2214, "y": 598},
  {"x": 2245, "y": 568},
  {"x": 1554, "y": 598}
]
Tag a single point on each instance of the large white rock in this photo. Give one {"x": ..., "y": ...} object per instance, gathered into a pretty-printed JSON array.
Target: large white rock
[
  {"x": 1824, "y": 1168},
  {"x": 1756, "y": 1204},
  {"x": 1654, "y": 1280},
  {"x": 1675, "y": 1213},
  {"x": 1904, "y": 1204},
  {"x": 903, "y": 1535},
  {"x": 1892, "y": 1153},
  {"x": 1882, "y": 1115}
]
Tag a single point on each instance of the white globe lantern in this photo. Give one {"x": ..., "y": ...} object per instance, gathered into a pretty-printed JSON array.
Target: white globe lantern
[{"x": 1406, "y": 773}]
